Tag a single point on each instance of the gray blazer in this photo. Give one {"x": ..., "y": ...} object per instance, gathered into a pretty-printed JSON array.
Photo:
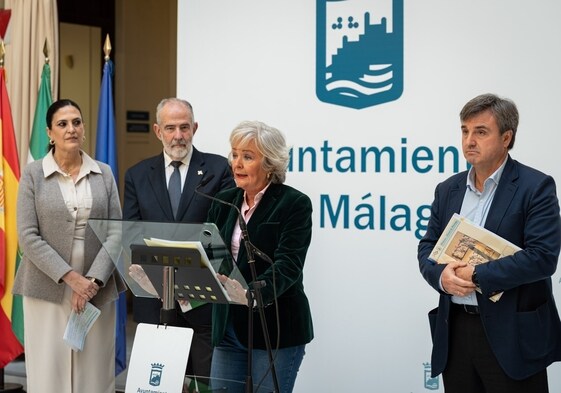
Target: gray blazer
[{"x": 45, "y": 231}]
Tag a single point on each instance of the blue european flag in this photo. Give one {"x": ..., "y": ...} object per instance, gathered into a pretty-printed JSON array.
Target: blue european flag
[
  {"x": 106, "y": 146},
  {"x": 106, "y": 151}
]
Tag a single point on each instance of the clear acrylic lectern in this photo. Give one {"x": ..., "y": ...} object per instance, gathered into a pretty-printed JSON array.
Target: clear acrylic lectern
[{"x": 170, "y": 261}]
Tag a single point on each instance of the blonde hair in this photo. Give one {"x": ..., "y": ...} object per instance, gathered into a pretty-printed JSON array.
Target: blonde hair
[{"x": 269, "y": 141}]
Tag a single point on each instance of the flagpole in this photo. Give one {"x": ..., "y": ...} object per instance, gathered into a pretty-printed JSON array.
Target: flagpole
[
  {"x": 5, "y": 386},
  {"x": 106, "y": 151}
]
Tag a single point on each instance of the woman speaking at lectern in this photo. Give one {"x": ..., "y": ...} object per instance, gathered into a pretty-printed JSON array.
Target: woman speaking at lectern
[{"x": 279, "y": 224}]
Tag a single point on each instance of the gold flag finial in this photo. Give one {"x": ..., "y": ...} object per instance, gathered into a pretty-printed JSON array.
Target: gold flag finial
[
  {"x": 46, "y": 51},
  {"x": 107, "y": 47}
]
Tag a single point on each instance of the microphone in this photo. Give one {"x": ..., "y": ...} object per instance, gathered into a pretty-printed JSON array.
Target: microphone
[{"x": 241, "y": 221}]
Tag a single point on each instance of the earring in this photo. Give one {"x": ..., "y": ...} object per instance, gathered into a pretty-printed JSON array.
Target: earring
[
  {"x": 268, "y": 175},
  {"x": 83, "y": 138},
  {"x": 51, "y": 142}
]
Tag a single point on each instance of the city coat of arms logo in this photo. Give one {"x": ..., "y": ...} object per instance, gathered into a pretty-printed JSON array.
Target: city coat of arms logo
[
  {"x": 156, "y": 374},
  {"x": 359, "y": 52},
  {"x": 430, "y": 382}
]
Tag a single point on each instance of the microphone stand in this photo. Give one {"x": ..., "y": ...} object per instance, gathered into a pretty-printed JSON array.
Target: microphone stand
[
  {"x": 257, "y": 285},
  {"x": 252, "y": 295}
]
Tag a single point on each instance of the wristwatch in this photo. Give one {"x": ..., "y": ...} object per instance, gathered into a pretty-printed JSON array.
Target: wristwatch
[
  {"x": 95, "y": 281},
  {"x": 474, "y": 277}
]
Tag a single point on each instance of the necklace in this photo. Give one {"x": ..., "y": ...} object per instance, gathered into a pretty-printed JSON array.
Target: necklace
[{"x": 71, "y": 171}]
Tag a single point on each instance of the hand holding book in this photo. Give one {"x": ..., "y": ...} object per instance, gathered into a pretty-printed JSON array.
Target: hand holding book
[{"x": 464, "y": 241}]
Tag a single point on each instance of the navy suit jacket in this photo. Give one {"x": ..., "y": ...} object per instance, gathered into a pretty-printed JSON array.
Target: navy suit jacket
[
  {"x": 523, "y": 327},
  {"x": 146, "y": 198},
  {"x": 146, "y": 193}
]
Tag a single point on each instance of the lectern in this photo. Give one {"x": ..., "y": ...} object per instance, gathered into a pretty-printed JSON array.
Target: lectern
[
  {"x": 173, "y": 262},
  {"x": 161, "y": 258}
]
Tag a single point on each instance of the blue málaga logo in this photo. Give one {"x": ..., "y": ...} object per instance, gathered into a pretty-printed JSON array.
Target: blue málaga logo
[
  {"x": 430, "y": 382},
  {"x": 156, "y": 374},
  {"x": 359, "y": 54}
]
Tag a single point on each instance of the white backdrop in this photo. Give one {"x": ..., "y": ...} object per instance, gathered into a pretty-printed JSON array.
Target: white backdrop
[{"x": 256, "y": 60}]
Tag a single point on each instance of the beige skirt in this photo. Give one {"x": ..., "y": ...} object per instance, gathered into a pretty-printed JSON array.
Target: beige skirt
[{"x": 51, "y": 366}]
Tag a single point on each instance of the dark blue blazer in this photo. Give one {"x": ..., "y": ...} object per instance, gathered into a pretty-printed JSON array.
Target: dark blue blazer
[
  {"x": 146, "y": 195},
  {"x": 146, "y": 198},
  {"x": 523, "y": 327}
]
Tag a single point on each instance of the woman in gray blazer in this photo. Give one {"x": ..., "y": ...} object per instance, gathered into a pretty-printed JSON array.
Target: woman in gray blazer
[{"x": 64, "y": 266}]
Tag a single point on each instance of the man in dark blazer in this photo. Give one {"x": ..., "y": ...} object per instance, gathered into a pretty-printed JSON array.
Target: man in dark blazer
[
  {"x": 480, "y": 345},
  {"x": 147, "y": 198}
]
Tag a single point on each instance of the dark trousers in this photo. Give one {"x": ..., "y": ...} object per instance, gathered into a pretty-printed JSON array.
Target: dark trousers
[
  {"x": 472, "y": 366},
  {"x": 200, "y": 354}
]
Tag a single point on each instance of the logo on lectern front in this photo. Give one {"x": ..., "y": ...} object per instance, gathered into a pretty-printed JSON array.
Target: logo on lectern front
[
  {"x": 430, "y": 382},
  {"x": 156, "y": 374},
  {"x": 359, "y": 52}
]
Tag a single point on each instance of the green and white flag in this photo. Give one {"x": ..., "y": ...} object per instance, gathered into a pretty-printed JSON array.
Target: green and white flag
[
  {"x": 39, "y": 141},
  {"x": 38, "y": 144}
]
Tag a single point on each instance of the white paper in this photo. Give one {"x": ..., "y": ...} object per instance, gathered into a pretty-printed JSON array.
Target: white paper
[
  {"x": 79, "y": 325},
  {"x": 185, "y": 306},
  {"x": 158, "y": 359}
]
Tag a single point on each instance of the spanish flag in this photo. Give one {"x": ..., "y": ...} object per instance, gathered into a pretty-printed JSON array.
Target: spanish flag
[{"x": 10, "y": 347}]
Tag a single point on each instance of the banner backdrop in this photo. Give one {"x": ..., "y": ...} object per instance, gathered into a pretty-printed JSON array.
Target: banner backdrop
[{"x": 368, "y": 95}]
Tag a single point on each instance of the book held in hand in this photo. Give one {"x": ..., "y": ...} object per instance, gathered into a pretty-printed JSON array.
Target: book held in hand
[{"x": 464, "y": 241}]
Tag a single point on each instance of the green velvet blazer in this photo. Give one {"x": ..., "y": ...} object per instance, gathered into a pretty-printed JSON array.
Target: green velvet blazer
[{"x": 281, "y": 227}]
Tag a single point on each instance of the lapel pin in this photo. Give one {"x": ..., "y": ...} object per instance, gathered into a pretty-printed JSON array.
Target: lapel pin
[{"x": 200, "y": 173}]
